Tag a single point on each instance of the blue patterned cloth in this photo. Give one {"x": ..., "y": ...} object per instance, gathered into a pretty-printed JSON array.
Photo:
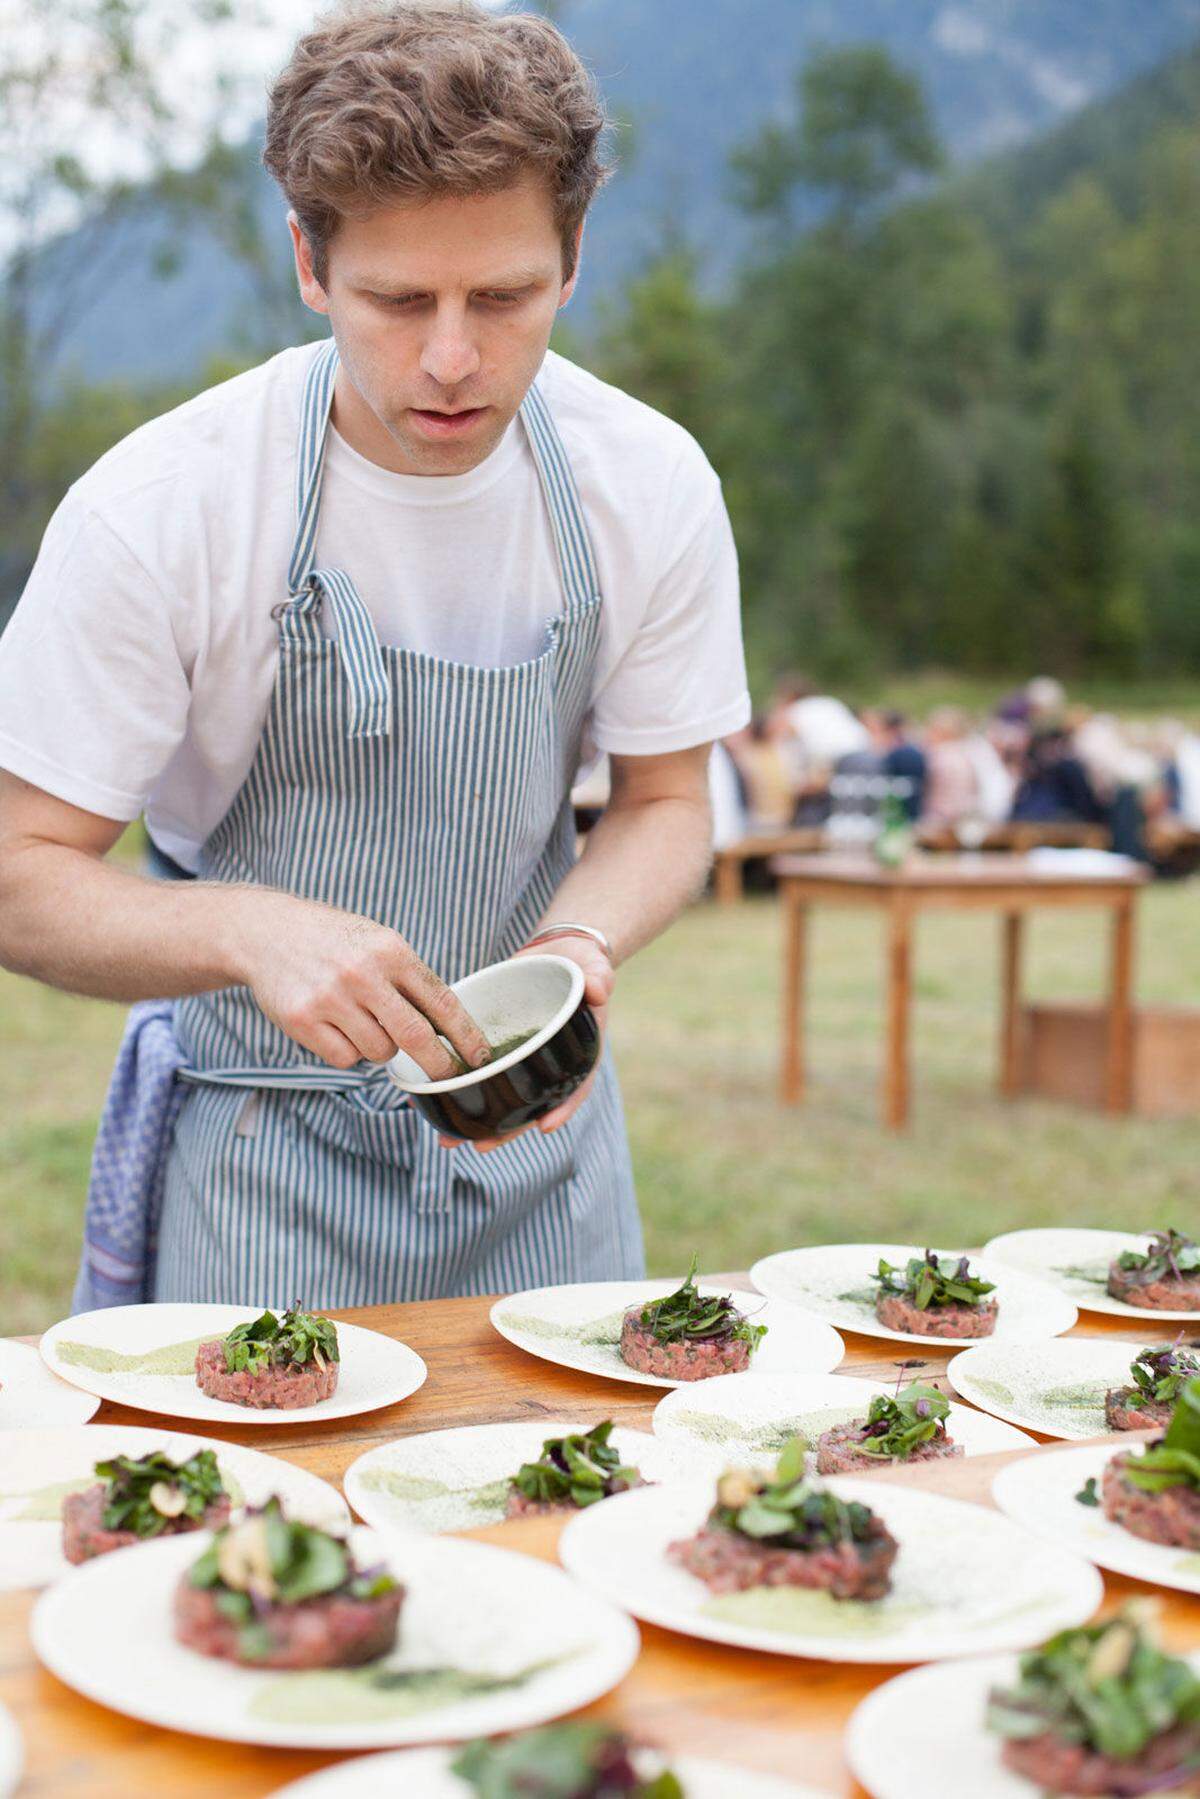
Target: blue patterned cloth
[{"x": 125, "y": 1189}]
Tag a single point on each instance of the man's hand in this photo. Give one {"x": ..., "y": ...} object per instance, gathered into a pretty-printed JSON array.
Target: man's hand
[
  {"x": 348, "y": 988},
  {"x": 599, "y": 978}
]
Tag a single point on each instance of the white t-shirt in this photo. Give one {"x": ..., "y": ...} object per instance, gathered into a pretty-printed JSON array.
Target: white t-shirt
[{"x": 138, "y": 667}]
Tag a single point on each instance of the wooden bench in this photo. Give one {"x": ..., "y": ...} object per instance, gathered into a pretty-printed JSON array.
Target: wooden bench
[{"x": 1019, "y": 836}]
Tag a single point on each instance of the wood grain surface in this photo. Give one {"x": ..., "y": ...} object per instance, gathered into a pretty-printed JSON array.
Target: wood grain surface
[{"x": 773, "y": 1713}]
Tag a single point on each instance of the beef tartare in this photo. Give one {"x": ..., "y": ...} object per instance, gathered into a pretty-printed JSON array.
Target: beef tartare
[
  {"x": 786, "y": 1530},
  {"x": 1101, "y": 1711},
  {"x": 1156, "y": 1494},
  {"x": 1165, "y": 1278},
  {"x": 571, "y": 1472},
  {"x": 689, "y": 1335},
  {"x": 1159, "y": 1375},
  {"x": 908, "y": 1426},
  {"x": 273, "y": 1593},
  {"x": 272, "y": 1362},
  {"x": 935, "y": 1296},
  {"x": 140, "y": 1497},
  {"x": 566, "y": 1761}
]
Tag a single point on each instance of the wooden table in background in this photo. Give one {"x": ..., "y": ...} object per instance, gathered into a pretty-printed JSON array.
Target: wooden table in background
[
  {"x": 1010, "y": 885},
  {"x": 774, "y": 1713}
]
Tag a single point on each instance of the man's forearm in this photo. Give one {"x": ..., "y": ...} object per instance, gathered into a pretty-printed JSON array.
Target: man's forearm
[
  {"x": 640, "y": 867},
  {"x": 79, "y": 923}
]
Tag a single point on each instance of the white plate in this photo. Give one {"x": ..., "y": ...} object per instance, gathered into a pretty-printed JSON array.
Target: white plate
[
  {"x": 833, "y": 1281},
  {"x": 12, "y": 1754},
  {"x": 888, "y": 1738},
  {"x": 579, "y": 1327},
  {"x": 966, "y": 1580},
  {"x": 444, "y": 1480},
  {"x": 1039, "y": 1493},
  {"x": 468, "y": 1608},
  {"x": 51, "y": 1463},
  {"x": 1056, "y": 1387},
  {"x": 1076, "y": 1263},
  {"x": 746, "y": 1417},
  {"x": 30, "y": 1396},
  {"x": 375, "y": 1370},
  {"x": 425, "y": 1774}
]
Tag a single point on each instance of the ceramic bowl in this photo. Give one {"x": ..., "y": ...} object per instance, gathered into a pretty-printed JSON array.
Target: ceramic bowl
[{"x": 538, "y": 994}]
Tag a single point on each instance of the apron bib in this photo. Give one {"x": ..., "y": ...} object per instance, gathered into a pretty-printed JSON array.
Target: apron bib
[{"x": 433, "y": 797}]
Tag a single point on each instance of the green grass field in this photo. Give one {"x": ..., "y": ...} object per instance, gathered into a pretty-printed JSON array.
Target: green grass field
[{"x": 721, "y": 1169}]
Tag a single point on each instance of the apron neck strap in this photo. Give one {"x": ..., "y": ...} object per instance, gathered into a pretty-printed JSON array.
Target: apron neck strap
[{"x": 576, "y": 559}]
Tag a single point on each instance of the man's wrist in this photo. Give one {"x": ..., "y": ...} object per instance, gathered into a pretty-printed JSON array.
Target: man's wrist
[{"x": 549, "y": 933}]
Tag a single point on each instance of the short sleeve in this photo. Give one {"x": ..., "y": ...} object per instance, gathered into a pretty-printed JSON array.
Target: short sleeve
[
  {"x": 682, "y": 679},
  {"x": 94, "y": 691}
]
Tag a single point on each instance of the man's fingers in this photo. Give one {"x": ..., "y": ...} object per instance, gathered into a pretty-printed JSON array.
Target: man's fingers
[
  {"x": 444, "y": 1010},
  {"x": 414, "y": 1034},
  {"x": 332, "y": 1045}
]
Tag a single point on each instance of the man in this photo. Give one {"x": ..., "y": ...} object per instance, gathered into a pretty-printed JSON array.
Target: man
[{"x": 344, "y": 628}]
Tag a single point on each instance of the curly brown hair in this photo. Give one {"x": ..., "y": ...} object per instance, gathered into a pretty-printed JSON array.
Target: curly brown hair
[{"x": 414, "y": 99}]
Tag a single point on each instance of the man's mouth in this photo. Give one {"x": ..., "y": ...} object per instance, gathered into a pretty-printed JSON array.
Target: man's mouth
[{"x": 437, "y": 423}]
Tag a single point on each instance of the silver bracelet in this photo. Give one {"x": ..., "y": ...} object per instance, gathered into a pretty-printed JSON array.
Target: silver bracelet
[{"x": 573, "y": 930}]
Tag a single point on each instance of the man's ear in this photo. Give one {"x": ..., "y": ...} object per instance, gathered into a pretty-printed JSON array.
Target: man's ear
[
  {"x": 311, "y": 291},
  {"x": 569, "y": 286}
]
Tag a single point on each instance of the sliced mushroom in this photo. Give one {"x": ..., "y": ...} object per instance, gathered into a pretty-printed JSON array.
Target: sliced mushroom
[{"x": 167, "y": 1499}]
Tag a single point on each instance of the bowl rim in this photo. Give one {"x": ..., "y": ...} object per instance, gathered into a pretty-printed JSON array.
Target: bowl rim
[{"x": 474, "y": 1077}]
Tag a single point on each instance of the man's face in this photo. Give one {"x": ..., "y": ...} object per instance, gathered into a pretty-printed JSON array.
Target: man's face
[{"x": 442, "y": 310}]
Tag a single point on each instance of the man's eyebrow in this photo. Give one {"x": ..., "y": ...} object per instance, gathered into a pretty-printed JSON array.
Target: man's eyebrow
[{"x": 514, "y": 278}]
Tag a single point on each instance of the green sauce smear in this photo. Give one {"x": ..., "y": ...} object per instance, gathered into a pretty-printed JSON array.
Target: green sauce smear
[
  {"x": 803, "y": 1611},
  {"x": 604, "y": 1332},
  {"x": 172, "y": 1358},
  {"x": 379, "y": 1694},
  {"x": 416, "y": 1490},
  {"x": 765, "y": 1439}
]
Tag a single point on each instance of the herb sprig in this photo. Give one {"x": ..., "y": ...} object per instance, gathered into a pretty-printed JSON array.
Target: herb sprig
[
  {"x": 787, "y": 1507},
  {"x": 268, "y": 1559},
  {"x": 1104, "y": 1686},
  {"x": 899, "y": 1423},
  {"x": 1162, "y": 1373},
  {"x": 271, "y": 1342},
  {"x": 582, "y": 1468},
  {"x": 1172, "y": 1460},
  {"x": 933, "y": 1281},
  {"x": 688, "y": 1316},
  {"x": 146, "y": 1493},
  {"x": 1170, "y": 1255},
  {"x": 561, "y": 1761}
]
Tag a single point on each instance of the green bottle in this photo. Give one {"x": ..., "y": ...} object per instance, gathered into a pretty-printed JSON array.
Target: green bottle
[{"x": 895, "y": 833}]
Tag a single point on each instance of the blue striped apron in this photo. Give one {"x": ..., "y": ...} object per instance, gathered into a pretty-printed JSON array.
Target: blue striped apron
[{"x": 433, "y": 797}]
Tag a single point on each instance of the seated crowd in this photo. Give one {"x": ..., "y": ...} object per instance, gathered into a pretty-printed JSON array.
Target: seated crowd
[{"x": 1036, "y": 759}]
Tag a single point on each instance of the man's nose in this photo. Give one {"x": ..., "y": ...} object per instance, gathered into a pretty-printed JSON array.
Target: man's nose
[{"x": 450, "y": 355}]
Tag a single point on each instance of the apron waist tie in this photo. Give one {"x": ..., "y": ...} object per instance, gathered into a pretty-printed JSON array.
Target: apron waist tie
[{"x": 369, "y": 1088}]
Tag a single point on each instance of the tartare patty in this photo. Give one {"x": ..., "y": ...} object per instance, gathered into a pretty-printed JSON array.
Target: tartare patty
[
  {"x": 840, "y": 1450},
  {"x": 1170, "y": 1516},
  {"x": 519, "y": 1505},
  {"x": 1055, "y": 1766},
  {"x": 728, "y": 1562},
  {"x": 898, "y": 1313},
  {"x": 334, "y": 1631},
  {"x": 1128, "y": 1408},
  {"x": 292, "y": 1384},
  {"x": 571, "y": 1473},
  {"x": 85, "y": 1535},
  {"x": 1164, "y": 1277},
  {"x": 689, "y": 1335}
]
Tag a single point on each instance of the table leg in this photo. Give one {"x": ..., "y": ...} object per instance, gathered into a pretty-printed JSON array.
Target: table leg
[
  {"x": 795, "y": 932},
  {"x": 895, "y": 1078},
  {"x": 1118, "y": 1095},
  {"x": 1010, "y": 1020},
  {"x": 727, "y": 879}
]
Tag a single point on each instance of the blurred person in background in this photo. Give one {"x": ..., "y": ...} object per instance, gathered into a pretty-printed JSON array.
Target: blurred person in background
[
  {"x": 952, "y": 788},
  {"x": 1054, "y": 785},
  {"x": 766, "y": 773},
  {"x": 816, "y": 731},
  {"x": 1126, "y": 777},
  {"x": 901, "y": 757}
]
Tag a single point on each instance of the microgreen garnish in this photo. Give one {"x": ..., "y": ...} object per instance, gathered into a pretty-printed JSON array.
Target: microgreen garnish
[
  {"x": 582, "y": 1468},
  {"x": 899, "y": 1423},
  {"x": 933, "y": 1281},
  {"x": 1087, "y": 1494},
  {"x": 146, "y": 1493},
  {"x": 271, "y": 1342},
  {"x": 1172, "y": 1460},
  {"x": 1105, "y": 1687},
  {"x": 1168, "y": 1256},
  {"x": 787, "y": 1507},
  {"x": 687, "y": 1316},
  {"x": 561, "y": 1761},
  {"x": 1161, "y": 1373}
]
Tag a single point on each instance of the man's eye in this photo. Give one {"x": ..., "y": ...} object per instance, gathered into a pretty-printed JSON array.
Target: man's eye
[{"x": 502, "y": 298}]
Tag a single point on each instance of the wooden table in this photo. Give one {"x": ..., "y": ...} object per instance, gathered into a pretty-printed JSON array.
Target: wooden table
[
  {"x": 773, "y": 1713},
  {"x": 1010, "y": 885}
]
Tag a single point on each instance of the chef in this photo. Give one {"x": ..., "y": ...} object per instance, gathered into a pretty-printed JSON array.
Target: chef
[{"x": 343, "y": 629}]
